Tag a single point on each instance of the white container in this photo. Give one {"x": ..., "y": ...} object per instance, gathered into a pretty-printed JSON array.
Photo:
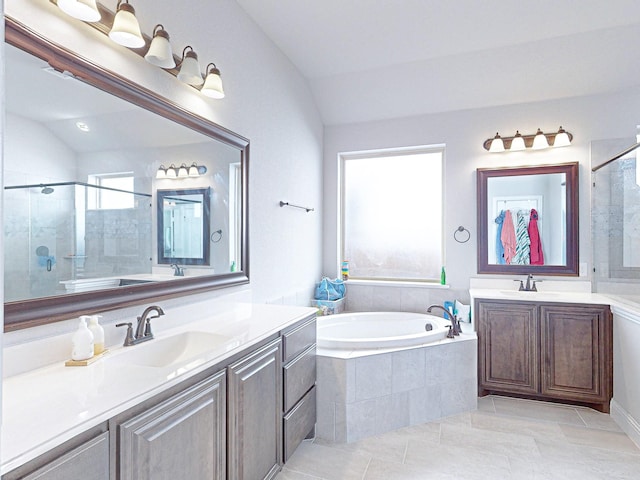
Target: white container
[
  {"x": 98, "y": 334},
  {"x": 82, "y": 341}
]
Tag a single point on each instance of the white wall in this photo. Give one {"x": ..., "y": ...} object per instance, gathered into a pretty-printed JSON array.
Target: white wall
[
  {"x": 463, "y": 132},
  {"x": 267, "y": 101}
]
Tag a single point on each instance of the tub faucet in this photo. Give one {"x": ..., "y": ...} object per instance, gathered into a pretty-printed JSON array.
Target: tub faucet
[{"x": 455, "y": 325}]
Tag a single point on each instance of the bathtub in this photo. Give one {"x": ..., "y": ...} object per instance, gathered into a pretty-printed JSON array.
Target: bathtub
[
  {"x": 379, "y": 371},
  {"x": 370, "y": 330}
]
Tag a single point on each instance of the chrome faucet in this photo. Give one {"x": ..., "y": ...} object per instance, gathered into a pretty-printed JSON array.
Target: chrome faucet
[
  {"x": 530, "y": 286},
  {"x": 143, "y": 328},
  {"x": 178, "y": 271},
  {"x": 454, "y": 329}
]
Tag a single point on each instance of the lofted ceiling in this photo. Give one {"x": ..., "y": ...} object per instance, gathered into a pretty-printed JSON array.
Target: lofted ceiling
[{"x": 376, "y": 59}]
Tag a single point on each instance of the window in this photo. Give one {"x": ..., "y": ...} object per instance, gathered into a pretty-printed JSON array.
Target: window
[
  {"x": 391, "y": 214},
  {"x": 111, "y": 192}
]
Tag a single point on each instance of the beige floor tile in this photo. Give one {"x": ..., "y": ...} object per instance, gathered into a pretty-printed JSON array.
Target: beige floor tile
[
  {"x": 595, "y": 419},
  {"x": 380, "y": 470},
  {"x": 287, "y": 474},
  {"x": 521, "y": 426},
  {"x": 328, "y": 463},
  {"x": 541, "y": 411},
  {"x": 441, "y": 458},
  {"x": 489, "y": 442},
  {"x": 606, "y": 439},
  {"x": 390, "y": 446},
  {"x": 485, "y": 404}
]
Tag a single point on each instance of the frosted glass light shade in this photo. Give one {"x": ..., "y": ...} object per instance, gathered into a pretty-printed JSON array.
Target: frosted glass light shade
[
  {"x": 518, "y": 142},
  {"x": 171, "y": 172},
  {"x": 193, "y": 171},
  {"x": 85, "y": 10},
  {"x": 161, "y": 172},
  {"x": 213, "y": 83},
  {"x": 159, "y": 53},
  {"x": 497, "y": 145},
  {"x": 539, "y": 141},
  {"x": 126, "y": 30},
  {"x": 562, "y": 138},
  {"x": 183, "y": 172},
  {"x": 190, "y": 69}
]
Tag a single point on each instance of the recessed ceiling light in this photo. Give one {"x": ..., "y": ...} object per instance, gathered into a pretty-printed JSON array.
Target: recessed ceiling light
[{"x": 83, "y": 127}]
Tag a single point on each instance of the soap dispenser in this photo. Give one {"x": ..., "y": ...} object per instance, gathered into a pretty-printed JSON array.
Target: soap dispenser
[
  {"x": 82, "y": 341},
  {"x": 98, "y": 334}
]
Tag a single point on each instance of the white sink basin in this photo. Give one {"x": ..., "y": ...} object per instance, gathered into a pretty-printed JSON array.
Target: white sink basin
[{"x": 171, "y": 351}]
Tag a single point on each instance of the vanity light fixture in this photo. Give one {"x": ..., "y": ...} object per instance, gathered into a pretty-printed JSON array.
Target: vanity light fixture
[
  {"x": 189, "y": 67},
  {"x": 183, "y": 171},
  {"x": 539, "y": 140},
  {"x": 85, "y": 10},
  {"x": 126, "y": 30},
  {"x": 213, "y": 83},
  {"x": 497, "y": 144},
  {"x": 123, "y": 28},
  {"x": 159, "y": 53}
]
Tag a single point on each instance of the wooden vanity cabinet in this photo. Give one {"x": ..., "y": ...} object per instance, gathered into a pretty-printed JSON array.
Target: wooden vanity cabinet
[
  {"x": 552, "y": 351},
  {"x": 79, "y": 458},
  {"x": 255, "y": 406},
  {"x": 181, "y": 437},
  {"x": 299, "y": 380}
]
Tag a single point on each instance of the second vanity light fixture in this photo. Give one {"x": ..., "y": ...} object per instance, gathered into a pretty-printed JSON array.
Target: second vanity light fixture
[
  {"x": 537, "y": 141},
  {"x": 123, "y": 29},
  {"x": 183, "y": 171}
]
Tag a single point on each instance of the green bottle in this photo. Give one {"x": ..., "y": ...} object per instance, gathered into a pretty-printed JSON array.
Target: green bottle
[{"x": 443, "y": 277}]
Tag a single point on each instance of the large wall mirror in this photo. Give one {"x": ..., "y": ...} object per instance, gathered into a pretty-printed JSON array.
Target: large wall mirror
[
  {"x": 528, "y": 220},
  {"x": 83, "y": 148}
]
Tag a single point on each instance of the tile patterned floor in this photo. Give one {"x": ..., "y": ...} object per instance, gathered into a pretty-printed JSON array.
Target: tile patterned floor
[{"x": 505, "y": 439}]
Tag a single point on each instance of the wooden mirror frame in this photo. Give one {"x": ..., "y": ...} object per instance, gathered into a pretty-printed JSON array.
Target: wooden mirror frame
[
  {"x": 30, "y": 313},
  {"x": 572, "y": 247}
]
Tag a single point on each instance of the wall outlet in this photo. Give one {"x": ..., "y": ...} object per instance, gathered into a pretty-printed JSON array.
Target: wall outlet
[{"x": 583, "y": 269}]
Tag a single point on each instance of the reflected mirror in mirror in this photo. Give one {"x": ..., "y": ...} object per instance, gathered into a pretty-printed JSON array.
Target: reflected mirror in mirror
[
  {"x": 183, "y": 226},
  {"x": 80, "y": 170},
  {"x": 528, "y": 220}
]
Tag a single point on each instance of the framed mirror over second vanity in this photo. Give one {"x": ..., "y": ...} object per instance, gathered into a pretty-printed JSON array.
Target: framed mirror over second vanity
[
  {"x": 550, "y": 190},
  {"x": 64, "y": 239}
]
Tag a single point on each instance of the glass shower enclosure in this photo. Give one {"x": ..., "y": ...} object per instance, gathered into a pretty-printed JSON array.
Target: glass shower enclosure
[{"x": 58, "y": 233}]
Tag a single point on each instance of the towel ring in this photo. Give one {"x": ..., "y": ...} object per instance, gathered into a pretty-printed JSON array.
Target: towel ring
[
  {"x": 459, "y": 232},
  {"x": 216, "y": 236}
]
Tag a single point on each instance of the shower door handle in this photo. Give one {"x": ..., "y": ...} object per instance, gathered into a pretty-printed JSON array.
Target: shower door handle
[{"x": 49, "y": 265}]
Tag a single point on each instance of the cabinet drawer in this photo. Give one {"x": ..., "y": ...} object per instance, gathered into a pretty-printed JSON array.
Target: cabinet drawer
[
  {"x": 299, "y": 377},
  {"x": 298, "y": 339},
  {"x": 299, "y": 422}
]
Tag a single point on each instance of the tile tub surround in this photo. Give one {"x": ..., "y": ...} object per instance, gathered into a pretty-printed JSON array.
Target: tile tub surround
[
  {"x": 361, "y": 395},
  {"x": 505, "y": 439}
]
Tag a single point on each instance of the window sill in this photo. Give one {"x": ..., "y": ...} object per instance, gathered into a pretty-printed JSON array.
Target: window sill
[{"x": 396, "y": 283}]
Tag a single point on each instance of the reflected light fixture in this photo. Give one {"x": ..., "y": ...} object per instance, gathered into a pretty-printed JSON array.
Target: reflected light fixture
[
  {"x": 126, "y": 30},
  {"x": 183, "y": 171},
  {"x": 497, "y": 145},
  {"x": 213, "y": 83},
  {"x": 189, "y": 67},
  {"x": 519, "y": 142},
  {"x": 159, "y": 53},
  {"x": 83, "y": 127},
  {"x": 85, "y": 10},
  {"x": 539, "y": 141}
]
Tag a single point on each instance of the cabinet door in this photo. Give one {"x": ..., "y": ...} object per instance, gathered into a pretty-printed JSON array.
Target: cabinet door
[
  {"x": 508, "y": 347},
  {"x": 576, "y": 349},
  {"x": 182, "y": 437},
  {"x": 255, "y": 414},
  {"x": 89, "y": 461}
]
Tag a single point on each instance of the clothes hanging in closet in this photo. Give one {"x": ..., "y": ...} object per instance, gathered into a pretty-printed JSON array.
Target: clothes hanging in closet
[
  {"x": 537, "y": 257},
  {"x": 499, "y": 247},
  {"x": 522, "y": 239},
  {"x": 508, "y": 237}
]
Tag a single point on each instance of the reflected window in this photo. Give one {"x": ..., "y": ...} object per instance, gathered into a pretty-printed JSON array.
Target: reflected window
[
  {"x": 114, "y": 192},
  {"x": 392, "y": 214}
]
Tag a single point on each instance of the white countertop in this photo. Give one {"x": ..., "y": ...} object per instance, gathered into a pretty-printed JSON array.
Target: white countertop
[{"x": 48, "y": 406}]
